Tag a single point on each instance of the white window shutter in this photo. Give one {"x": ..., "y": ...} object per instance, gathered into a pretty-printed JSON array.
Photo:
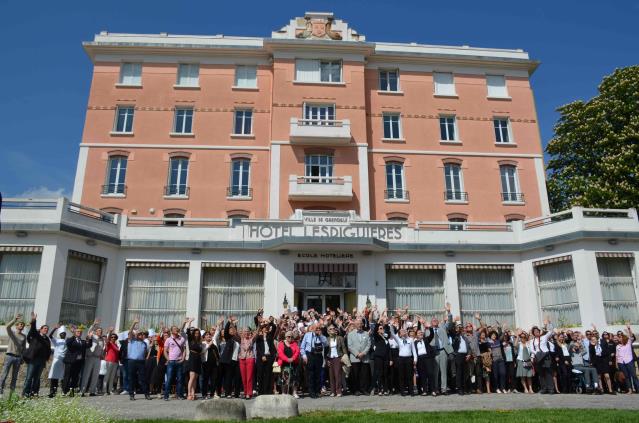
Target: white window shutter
[
  {"x": 246, "y": 76},
  {"x": 444, "y": 83},
  {"x": 496, "y": 86},
  {"x": 307, "y": 70}
]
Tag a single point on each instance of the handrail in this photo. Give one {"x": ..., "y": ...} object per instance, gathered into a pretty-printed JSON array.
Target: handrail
[
  {"x": 320, "y": 122},
  {"x": 29, "y": 203},
  {"x": 176, "y": 221},
  {"x": 467, "y": 226},
  {"x": 90, "y": 212}
]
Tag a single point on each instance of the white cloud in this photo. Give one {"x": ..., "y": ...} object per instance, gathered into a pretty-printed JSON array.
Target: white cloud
[{"x": 43, "y": 192}]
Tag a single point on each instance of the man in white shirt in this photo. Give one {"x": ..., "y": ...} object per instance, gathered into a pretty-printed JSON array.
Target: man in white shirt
[{"x": 406, "y": 361}]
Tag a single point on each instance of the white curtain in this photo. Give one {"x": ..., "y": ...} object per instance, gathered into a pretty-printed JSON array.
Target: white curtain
[
  {"x": 618, "y": 290},
  {"x": 444, "y": 83},
  {"x": 228, "y": 291},
  {"x": 18, "y": 283},
  {"x": 189, "y": 75},
  {"x": 558, "y": 293},
  {"x": 307, "y": 70},
  {"x": 246, "y": 76},
  {"x": 496, "y": 86},
  {"x": 421, "y": 290},
  {"x": 488, "y": 292},
  {"x": 156, "y": 294},
  {"x": 81, "y": 287}
]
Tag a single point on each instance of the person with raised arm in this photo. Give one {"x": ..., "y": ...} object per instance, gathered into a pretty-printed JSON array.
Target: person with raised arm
[
  {"x": 230, "y": 358},
  {"x": 462, "y": 354},
  {"x": 626, "y": 361},
  {"x": 111, "y": 355},
  {"x": 441, "y": 346},
  {"x": 265, "y": 353},
  {"x": 524, "y": 361},
  {"x": 312, "y": 351},
  {"x": 359, "y": 343},
  {"x": 425, "y": 357},
  {"x": 175, "y": 354},
  {"x": 13, "y": 357},
  {"x": 407, "y": 359},
  {"x": 541, "y": 354},
  {"x": 56, "y": 371},
  {"x": 73, "y": 361},
  {"x": 93, "y": 356},
  {"x": 36, "y": 355},
  {"x": 136, "y": 354}
]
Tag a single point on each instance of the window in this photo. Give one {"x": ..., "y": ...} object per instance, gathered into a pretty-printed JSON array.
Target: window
[
  {"x": 188, "y": 75},
  {"x": 156, "y": 294},
  {"x": 116, "y": 177},
  {"x": 240, "y": 173},
  {"x": 618, "y": 290},
  {"x": 502, "y": 130},
  {"x": 496, "y": 86},
  {"x": 308, "y": 70},
  {"x": 81, "y": 289},
  {"x": 131, "y": 74},
  {"x": 178, "y": 173},
  {"x": 388, "y": 80},
  {"x": 19, "y": 273},
  {"x": 243, "y": 122},
  {"x": 558, "y": 293},
  {"x": 395, "y": 182},
  {"x": 246, "y": 76},
  {"x": 318, "y": 114},
  {"x": 318, "y": 169},
  {"x": 124, "y": 119},
  {"x": 392, "y": 128},
  {"x": 454, "y": 183},
  {"x": 170, "y": 219},
  {"x": 447, "y": 128},
  {"x": 421, "y": 290},
  {"x": 183, "y": 121},
  {"x": 487, "y": 290},
  {"x": 510, "y": 184},
  {"x": 444, "y": 84},
  {"x": 457, "y": 223}
]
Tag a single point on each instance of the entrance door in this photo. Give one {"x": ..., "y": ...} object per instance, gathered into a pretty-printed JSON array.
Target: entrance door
[
  {"x": 315, "y": 302},
  {"x": 321, "y": 301},
  {"x": 332, "y": 301}
]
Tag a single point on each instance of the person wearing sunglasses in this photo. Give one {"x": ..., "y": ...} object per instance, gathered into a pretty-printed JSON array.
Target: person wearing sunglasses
[{"x": 111, "y": 356}]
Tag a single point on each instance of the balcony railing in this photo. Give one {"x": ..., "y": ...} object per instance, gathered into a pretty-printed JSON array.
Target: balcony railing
[
  {"x": 241, "y": 192},
  {"x": 455, "y": 196},
  {"x": 176, "y": 191},
  {"x": 90, "y": 212},
  {"x": 320, "y": 188},
  {"x": 320, "y": 131},
  {"x": 512, "y": 197},
  {"x": 396, "y": 194},
  {"x": 114, "y": 189}
]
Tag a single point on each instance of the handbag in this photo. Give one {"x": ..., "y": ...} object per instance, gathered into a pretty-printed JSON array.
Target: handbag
[
  {"x": 346, "y": 361},
  {"x": 276, "y": 367}
]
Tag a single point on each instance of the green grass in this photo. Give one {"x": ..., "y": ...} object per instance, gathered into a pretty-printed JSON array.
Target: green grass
[{"x": 494, "y": 416}]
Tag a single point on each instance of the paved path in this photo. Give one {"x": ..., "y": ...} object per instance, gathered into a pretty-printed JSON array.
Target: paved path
[{"x": 120, "y": 406}]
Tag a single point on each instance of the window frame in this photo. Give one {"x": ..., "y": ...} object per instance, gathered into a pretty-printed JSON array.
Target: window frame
[
  {"x": 399, "y": 136},
  {"x": 329, "y": 107},
  {"x": 178, "y": 184},
  {"x": 436, "y": 84},
  {"x": 317, "y": 71},
  {"x": 388, "y": 89},
  {"x": 119, "y": 181},
  {"x": 241, "y": 187},
  {"x": 175, "y": 121},
  {"x": 178, "y": 83},
  {"x": 452, "y": 195},
  {"x": 506, "y": 192},
  {"x": 506, "y": 94},
  {"x": 325, "y": 170},
  {"x": 118, "y": 108},
  {"x": 243, "y": 113},
  {"x": 455, "y": 137},
  {"x": 509, "y": 131},
  {"x": 237, "y": 77},
  {"x": 392, "y": 165},
  {"x": 122, "y": 76}
]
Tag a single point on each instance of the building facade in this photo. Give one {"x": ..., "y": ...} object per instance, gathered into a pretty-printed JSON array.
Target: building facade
[{"x": 217, "y": 175}]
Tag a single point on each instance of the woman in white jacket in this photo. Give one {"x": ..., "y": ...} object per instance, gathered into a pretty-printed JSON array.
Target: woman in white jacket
[{"x": 56, "y": 372}]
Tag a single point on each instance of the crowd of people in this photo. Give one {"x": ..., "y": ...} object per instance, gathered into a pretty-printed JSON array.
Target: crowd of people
[{"x": 334, "y": 353}]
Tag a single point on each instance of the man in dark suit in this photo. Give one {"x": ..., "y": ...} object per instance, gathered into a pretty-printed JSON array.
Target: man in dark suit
[
  {"x": 74, "y": 360},
  {"x": 36, "y": 355}
]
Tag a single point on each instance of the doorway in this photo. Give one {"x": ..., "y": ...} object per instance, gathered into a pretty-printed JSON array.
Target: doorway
[{"x": 321, "y": 301}]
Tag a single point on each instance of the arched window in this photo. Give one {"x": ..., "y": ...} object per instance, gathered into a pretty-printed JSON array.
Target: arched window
[
  {"x": 178, "y": 176},
  {"x": 395, "y": 184},
  {"x": 454, "y": 183},
  {"x": 510, "y": 191},
  {"x": 116, "y": 176},
  {"x": 171, "y": 219},
  {"x": 240, "y": 178}
]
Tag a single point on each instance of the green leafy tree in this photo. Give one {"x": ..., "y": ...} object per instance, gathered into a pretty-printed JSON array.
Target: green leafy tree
[{"x": 594, "y": 155}]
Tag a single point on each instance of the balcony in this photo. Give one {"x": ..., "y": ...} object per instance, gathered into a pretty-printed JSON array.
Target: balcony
[
  {"x": 320, "y": 131},
  {"x": 399, "y": 195},
  {"x": 455, "y": 196},
  {"x": 176, "y": 191},
  {"x": 114, "y": 190},
  {"x": 239, "y": 193},
  {"x": 320, "y": 188},
  {"x": 512, "y": 197}
]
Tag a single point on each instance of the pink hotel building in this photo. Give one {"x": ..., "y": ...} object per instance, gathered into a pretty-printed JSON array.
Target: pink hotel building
[{"x": 220, "y": 174}]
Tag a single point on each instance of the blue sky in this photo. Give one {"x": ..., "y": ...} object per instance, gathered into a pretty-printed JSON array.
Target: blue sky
[{"x": 47, "y": 75}]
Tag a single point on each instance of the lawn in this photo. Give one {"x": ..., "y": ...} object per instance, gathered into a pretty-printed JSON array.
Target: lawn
[{"x": 519, "y": 416}]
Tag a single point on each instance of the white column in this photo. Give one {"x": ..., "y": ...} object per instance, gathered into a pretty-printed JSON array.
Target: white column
[
  {"x": 366, "y": 281},
  {"x": 591, "y": 307},
  {"x": 451, "y": 289},
  {"x": 48, "y": 299},
  {"x": 274, "y": 187},
  {"x": 78, "y": 184},
  {"x": 279, "y": 276},
  {"x": 119, "y": 291},
  {"x": 541, "y": 185},
  {"x": 364, "y": 201},
  {"x": 193, "y": 290},
  {"x": 526, "y": 299}
]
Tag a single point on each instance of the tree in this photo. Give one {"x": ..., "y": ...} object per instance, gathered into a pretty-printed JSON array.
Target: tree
[{"x": 594, "y": 155}]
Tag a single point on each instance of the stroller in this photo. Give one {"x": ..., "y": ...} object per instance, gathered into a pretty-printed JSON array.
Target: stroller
[{"x": 578, "y": 381}]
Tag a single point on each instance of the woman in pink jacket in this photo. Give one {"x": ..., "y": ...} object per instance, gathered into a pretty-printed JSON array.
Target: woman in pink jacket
[{"x": 288, "y": 354}]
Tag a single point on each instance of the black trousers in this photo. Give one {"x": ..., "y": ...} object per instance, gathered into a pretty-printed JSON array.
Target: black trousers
[
  {"x": 545, "y": 379},
  {"x": 232, "y": 379},
  {"x": 563, "y": 377},
  {"x": 71, "y": 375},
  {"x": 314, "y": 368},
  {"x": 380, "y": 374},
  {"x": 265, "y": 375},
  {"x": 394, "y": 370},
  {"x": 208, "y": 378},
  {"x": 460, "y": 371},
  {"x": 405, "y": 368},
  {"x": 137, "y": 377},
  {"x": 359, "y": 377}
]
